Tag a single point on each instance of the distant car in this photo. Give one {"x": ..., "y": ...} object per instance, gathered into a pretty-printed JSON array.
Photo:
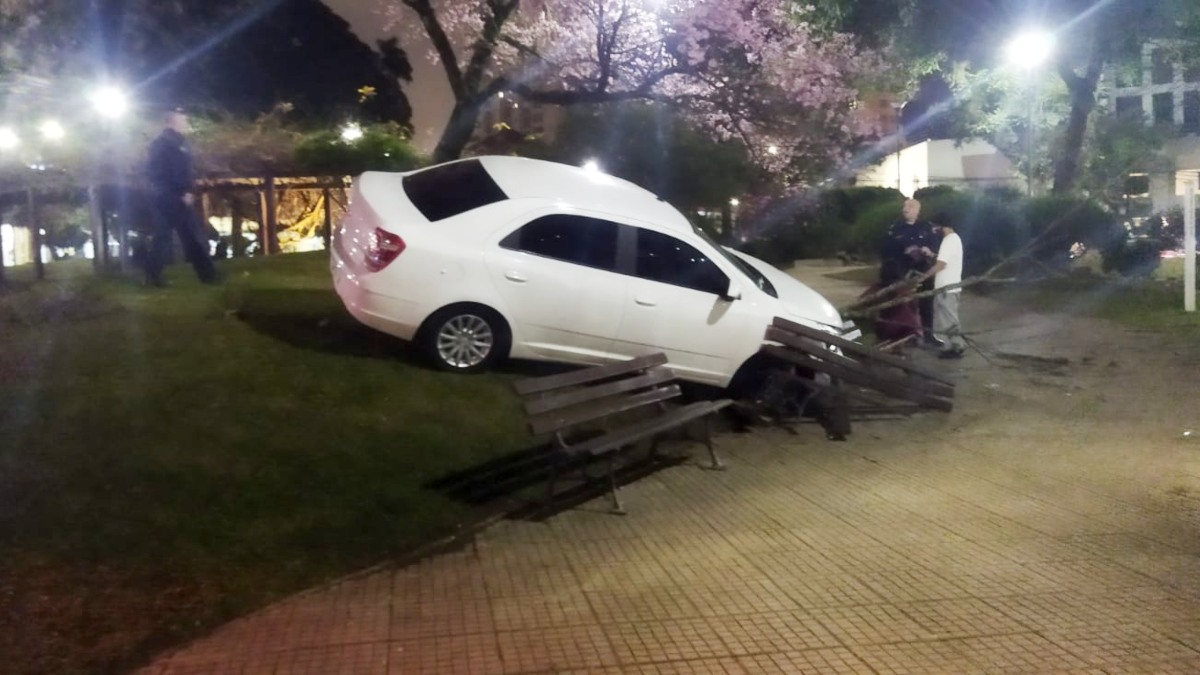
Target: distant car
[{"x": 494, "y": 257}]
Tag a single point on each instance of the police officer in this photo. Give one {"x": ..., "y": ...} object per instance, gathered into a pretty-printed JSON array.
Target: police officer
[
  {"x": 911, "y": 248},
  {"x": 169, "y": 169}
]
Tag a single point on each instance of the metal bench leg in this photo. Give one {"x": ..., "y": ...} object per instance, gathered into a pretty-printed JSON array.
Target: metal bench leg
[
  {"x": 712, "y": 451},
  {"x": 617, "y": 508}
]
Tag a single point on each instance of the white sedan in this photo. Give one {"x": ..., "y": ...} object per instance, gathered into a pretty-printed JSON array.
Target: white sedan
[{"x": 493, "y": 257}]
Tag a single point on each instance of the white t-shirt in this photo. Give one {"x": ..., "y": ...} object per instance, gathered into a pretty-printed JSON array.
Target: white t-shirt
[{"x": 951, "y": 253}]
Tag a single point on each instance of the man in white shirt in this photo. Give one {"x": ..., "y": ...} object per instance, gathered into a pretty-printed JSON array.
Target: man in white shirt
[{"x": 947, "y": 274}]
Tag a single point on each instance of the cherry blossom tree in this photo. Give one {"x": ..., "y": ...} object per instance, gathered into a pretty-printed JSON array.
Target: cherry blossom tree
[{"x": 758, "y": 70}]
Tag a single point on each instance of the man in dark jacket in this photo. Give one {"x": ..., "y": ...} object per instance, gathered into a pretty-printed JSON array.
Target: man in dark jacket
[
  {"x": 169, "y": 169},
  {"x": 911, "y": 246}
]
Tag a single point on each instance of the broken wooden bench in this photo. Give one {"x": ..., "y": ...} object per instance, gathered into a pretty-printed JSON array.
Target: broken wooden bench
[
  {"x": 863, "y": 367},
  {"x": 628, "y": 400}
]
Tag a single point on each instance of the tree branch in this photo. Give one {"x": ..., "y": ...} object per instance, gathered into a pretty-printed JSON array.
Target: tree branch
[{"x": 441, "y": 44}]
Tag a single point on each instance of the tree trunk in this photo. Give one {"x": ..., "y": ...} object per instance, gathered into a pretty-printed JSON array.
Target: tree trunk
[
  {"x": 1083, "y": 101},
  {"x": 458, "y": 131}
]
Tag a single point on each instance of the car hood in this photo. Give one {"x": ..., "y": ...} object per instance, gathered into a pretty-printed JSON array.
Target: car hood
[{"x": 800, "y": 301}]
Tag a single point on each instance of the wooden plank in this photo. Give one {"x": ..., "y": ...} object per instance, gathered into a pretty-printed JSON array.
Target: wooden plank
[
  {"x": 564, "y": 418},
  {"x": 570, "y": 397},
  {"x": 857, "y": 349},
  {"x": 536, "y": 385},
  {"x": 648, "y": 428},
  {"x": 854, "y": 376},
  {"x": 806, "y": 346}
]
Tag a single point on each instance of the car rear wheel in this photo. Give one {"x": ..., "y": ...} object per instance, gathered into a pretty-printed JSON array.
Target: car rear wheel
[{"x": 465, "y": 338}]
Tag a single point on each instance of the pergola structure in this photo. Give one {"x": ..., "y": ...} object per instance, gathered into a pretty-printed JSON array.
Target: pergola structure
[{"x": 278, "y": 210}]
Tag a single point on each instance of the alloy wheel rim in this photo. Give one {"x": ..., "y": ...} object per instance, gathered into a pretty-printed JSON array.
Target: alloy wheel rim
[{"x": 465, "y": 341}]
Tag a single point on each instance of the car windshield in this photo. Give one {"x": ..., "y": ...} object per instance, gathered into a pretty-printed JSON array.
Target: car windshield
[
  {"x": 744, "y": 267},
  {"x": 450, "y": 189}
]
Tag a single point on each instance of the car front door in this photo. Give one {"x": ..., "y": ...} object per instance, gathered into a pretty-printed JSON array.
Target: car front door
[
  {"x": 557, "y": 276},
  {"x": 676, "y": 303}
]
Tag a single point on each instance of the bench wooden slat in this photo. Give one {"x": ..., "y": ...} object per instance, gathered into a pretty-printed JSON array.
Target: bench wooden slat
[
  {"x": 620, "y": 438},
  {"x": 858, "y": 349},
  {"x": 570, "y": 397},
  {"x": 854, "y": 376},
  {"x": 803, "y": 344},
  {"x": 535, "y": 385},
  {"x": 558, "y": 420}
]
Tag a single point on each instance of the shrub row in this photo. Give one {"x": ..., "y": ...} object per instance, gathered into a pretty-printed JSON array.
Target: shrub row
[{"x": 995, "y": 225}]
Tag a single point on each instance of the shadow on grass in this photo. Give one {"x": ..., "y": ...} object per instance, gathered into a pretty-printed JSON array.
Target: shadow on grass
[
  {"x": 315, "y": 320},
  {"x": 515, "y": 485}
]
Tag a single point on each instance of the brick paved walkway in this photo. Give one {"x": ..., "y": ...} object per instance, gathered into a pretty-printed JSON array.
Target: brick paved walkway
[{"x": 1026, "y": 542}]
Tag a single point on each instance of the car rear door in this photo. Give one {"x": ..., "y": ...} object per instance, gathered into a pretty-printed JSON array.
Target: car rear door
[{"x": 557, "y": 276}]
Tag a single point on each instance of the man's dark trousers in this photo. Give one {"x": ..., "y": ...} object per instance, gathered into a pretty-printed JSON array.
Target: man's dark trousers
[{"x": 171, "y": 214}]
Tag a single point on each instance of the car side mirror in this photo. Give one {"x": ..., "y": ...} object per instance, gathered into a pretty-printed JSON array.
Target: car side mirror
[{"x": 732, "y": 293}]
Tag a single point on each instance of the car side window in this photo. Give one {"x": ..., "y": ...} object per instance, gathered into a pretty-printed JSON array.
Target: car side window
[
  {"x": 664, "y": 258},
  {"x": 574, "y": 239}
]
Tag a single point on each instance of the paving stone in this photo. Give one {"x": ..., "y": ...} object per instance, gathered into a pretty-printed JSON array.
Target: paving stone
[
  {"x": 357, "y": 659},
  {"x": 542, "y": 611},
  {"x": 870, "y": 624},
  {"x": 477, "y": 654},
  {"x": 674, "y": 640},
  {"x": 1118, "y": 645},
  {"x": 912, "y": 585},
  {"x": 737, "y": 596},
  {"x": 837, "y": 661},
  {"x": 1019, "y": 653},
  {"x": 774, "y": 632},
  {"x": 918, "y": 658},
  {"x": 960, "y": 618},
  {"x": 840, "y": 590},
  {"x": 554, "y": 649}
]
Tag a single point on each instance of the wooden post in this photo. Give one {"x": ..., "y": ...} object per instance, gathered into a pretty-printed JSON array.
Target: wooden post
[
  {"x": 1189, "y": 246},
  {"x": 95, "y": 219},
  {"x": 235, "y": 225},
  {"x": 327, "y": 195},
  {"x": 267, "y": 226},
  {"x": 35, "y": 232}
]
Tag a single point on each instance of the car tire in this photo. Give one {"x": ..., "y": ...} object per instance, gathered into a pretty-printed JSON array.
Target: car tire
[{"x": 465, "y": 338}]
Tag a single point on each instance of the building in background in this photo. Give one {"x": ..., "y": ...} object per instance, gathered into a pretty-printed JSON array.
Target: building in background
[
  {"x": 963, "y": 164},
  {"x": 1162, "y": 93}
]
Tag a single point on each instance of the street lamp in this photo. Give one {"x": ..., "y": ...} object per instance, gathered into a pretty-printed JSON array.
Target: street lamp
[
  {"x": 352, "y": 132},
  {"x": 9, "y": 140},
  {"x": 1028, "y": 51},
  {"x": 110, "y": 101},
  {"x": 52, "y": 131}
]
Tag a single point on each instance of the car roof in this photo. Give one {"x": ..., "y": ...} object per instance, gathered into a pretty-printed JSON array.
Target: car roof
[{"x": 594, "y": 190}]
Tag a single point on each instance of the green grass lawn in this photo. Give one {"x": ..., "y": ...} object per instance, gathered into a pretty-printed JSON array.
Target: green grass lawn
[
  {"x": 171, "y": 458},
  {"x": 1151, "y": 304}
]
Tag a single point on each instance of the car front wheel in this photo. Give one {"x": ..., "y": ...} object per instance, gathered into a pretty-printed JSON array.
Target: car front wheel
[{"x": 465, "y": 338}]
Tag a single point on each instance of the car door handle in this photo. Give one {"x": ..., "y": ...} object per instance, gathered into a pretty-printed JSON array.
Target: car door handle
[
  {"x": 515, "y": 276},
  {"x": 645, "y": 302}
]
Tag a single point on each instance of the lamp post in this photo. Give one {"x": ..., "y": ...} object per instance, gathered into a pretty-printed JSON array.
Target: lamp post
[
  {"x": 111, "y": 104},
  {"x": 1027, "y": 51}
]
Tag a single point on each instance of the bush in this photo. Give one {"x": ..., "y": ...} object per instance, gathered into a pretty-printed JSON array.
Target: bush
[
  {"x": 1136, "y": 258},
  {"x": 379, "y": 149},
  {"x": 1056, "y": 223},
  {"x": 991, "y": 229},
  {"x": 813, "y": 224}
]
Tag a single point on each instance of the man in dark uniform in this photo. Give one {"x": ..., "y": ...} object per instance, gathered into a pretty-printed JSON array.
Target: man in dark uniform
[
  {"x": 911, "y": 247},
  {"x": 169, "y": 169}
]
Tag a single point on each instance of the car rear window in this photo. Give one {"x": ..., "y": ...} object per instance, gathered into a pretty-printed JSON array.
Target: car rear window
[{"x": 450, "y": 189}]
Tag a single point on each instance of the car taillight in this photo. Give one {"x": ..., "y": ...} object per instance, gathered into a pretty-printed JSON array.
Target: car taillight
[{"x": 382, "y": 249}]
